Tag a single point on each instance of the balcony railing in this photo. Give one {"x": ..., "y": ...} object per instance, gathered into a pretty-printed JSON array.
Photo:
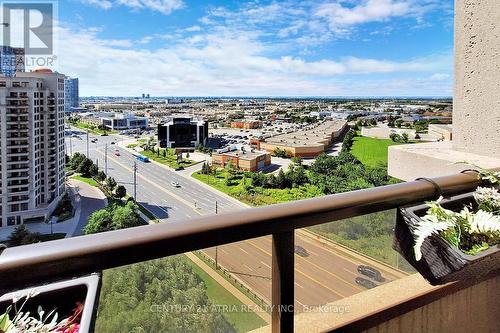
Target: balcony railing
[{"x": 26, "y": 266}]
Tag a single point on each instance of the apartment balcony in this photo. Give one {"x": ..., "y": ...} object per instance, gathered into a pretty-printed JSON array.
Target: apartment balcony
[{"x": 406, "y": 304}]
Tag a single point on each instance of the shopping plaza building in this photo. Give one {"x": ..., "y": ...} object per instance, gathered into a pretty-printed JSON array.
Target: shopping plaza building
[
  {"x": 305, "y": 143},
  {"x": 31, "y": 145}
]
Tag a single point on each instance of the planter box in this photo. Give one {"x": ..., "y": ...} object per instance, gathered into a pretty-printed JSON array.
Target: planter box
[
  {"x": 62, "y": 296},
  {"x": 441, "y": 262}
]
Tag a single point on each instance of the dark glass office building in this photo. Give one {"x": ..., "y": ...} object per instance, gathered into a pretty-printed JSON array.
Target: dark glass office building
[{"x": 182, "y": 133}]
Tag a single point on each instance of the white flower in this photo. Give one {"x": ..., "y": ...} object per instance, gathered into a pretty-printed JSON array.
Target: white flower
[
  {"x": 429, "y": 225},
  {"x": 485, "y": 222},
  {"x": 487, "y": 194}
]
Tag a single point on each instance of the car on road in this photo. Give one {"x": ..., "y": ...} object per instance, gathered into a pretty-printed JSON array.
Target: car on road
[
  {"x": 371, "y": 273},
  {"x": 301, "y": 251},
  {"x": 112, "y": 142},
  {"x": 175, "y": 184},
  {"x": 365, "y": 282},
  {"x": 117, "y": 153}
]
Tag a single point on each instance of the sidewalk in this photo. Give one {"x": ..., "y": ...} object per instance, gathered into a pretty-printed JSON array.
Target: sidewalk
[{"x": 86, "y": 199}]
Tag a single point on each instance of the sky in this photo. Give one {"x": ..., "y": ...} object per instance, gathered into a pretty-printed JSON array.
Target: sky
[{"x": 257, "y": 48}]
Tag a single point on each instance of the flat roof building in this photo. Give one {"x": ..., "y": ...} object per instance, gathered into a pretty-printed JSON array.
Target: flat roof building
[
  {"x": 304, "y": 143},
  {"x": 243, "y": 160}
]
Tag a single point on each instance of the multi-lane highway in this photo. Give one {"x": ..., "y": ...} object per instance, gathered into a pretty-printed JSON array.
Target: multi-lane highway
[{"x": 322, "y": 276}]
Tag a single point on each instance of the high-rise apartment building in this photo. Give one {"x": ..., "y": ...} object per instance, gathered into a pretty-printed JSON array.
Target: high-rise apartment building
[
  {"x": 71, "y": 94},
  {"x": 31, "y": 145},
  {"x": 11, "y": 60}
]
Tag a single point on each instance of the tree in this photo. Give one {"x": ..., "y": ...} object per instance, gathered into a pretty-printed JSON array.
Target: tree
[
  {"x": 17, "y": 236},
  {"x": 417, "y": 137},
  {"x": 110, "y": 184},
  {"x": 113, "y": 217},
  {"x": 404, "y": 137},
  {"x": 99, "y": 221},
  {"x": 75, "y": 160},
  {"x": 84, "y": 167},
  {"x": 93, "y": 170},
  {"x": 394, "y": 137},
  {"x": 120, "y": 191},
  {"x": 101, "y": 176},
  {"x": 126, "y": 217}
]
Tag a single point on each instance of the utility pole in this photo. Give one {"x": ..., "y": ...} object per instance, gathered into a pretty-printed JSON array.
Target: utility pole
[
  {"x": 106, "y": 159},
  {"x": 87, "y": 143},
  {"x": 216, "y": 251},
  {"x": 70, "y": 145},
  {"x": 135, "y": 181}
]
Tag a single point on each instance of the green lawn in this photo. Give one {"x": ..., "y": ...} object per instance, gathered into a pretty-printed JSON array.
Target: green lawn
[
  {"x": 89, "y": 181},
  {"x": 219, "y": 296},
  {"x": 92, "y": 128},
  {"x": 256, "y": 196},
  {"x": 372, "y": 152},
  {"x": 169, "y": 160}
]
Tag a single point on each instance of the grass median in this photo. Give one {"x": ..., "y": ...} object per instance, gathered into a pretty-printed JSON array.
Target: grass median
[
  {"x": 242, "y": 321},
  {"x": 168, "y": 158}
]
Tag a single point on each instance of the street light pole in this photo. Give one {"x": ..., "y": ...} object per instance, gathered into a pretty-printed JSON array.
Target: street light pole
[
  {"x": 106, "y": 159},
  {"x": 216, "y": 250},
  {"x": 87, "y": 143},
  {"x": 70, "y": 145},
  {"x": 135, "y": 181}
]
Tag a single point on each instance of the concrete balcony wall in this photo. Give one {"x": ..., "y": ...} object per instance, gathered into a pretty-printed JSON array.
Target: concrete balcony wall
[
  {"x": 474, "y": 309},
  {"x": 471, "y": 309},
  {"x": 476, "y": 105}
]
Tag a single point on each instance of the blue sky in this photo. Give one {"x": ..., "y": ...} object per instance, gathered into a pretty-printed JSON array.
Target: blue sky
[{"x": 263, "y": 48}]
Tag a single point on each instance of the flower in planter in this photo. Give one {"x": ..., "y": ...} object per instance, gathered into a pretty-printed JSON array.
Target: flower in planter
[
  {"x": 470, "y": 231},
  {"x": 23, "y": 322}
]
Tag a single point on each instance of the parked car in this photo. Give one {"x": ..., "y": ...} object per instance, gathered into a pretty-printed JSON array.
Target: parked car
[
  {"x": 175, "y": 184},
  {"x": 112, "y": 142},
  {"x": 117, "y": 153},
  {"x": 365, "y": 282},
  {"x": 301, "y": 251},
  {"x": 371, "y": 273}
]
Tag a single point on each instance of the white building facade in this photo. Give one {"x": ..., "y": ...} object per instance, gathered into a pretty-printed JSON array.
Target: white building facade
[{"x": 32, "y": 154}]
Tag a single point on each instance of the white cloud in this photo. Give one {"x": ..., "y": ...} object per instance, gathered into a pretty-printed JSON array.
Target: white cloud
[
  {"x": 103, "y": 4},
  {"x": 343, "y": 15},
  {"x": 229, "y": 63},
  {"x": 193, "y": 28},
  {"x": 162, "y": 6}
]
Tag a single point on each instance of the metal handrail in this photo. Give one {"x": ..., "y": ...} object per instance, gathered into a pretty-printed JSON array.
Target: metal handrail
[{"x": 27, "y": 265}]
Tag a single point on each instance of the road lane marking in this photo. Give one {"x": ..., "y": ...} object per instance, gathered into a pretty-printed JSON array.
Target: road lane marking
[
  {"x": 299, "y": 271},
  {"x": 332, "y": 274},
  {"x": 154, "y": 184},
  {"x": 263, "y": 263}
]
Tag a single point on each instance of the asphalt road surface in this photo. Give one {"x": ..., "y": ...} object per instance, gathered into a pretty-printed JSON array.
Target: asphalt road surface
[{"x": 322, "y": 276}]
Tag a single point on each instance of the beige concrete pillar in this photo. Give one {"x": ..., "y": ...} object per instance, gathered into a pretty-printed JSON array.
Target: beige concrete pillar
[{"x": 476, "y": 109}]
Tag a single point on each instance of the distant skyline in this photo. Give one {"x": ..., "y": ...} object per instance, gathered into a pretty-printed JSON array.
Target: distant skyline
[{"x": 257, "y": 48}]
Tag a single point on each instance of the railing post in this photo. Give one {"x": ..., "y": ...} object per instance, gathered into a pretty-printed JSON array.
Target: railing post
[{"x": 283, "y": 282}]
